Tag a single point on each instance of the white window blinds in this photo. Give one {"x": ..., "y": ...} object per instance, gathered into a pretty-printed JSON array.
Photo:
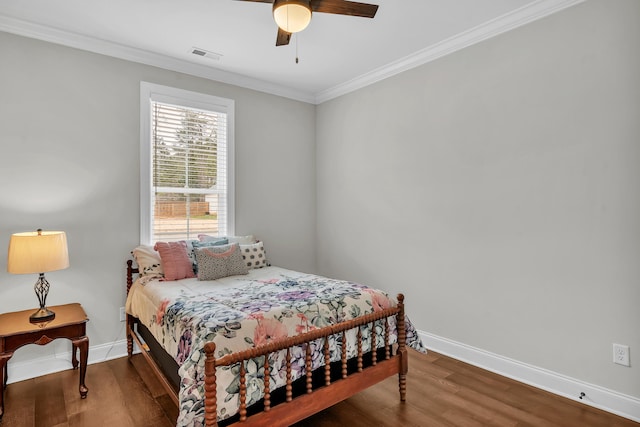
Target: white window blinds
[{"x": 189, "y": 155}]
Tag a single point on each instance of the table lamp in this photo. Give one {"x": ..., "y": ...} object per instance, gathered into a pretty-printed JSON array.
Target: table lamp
[{"x": 38, "y": 252}]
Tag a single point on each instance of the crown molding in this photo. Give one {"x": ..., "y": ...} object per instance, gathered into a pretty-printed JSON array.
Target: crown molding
[
  {"x": 489, "y": 29},
  {"x": 522, "y": 16},
  {"x": 91, "y": 44}
]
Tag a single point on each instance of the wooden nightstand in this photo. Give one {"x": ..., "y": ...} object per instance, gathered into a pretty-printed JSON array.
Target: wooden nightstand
[{"x": 16, "y": 331}]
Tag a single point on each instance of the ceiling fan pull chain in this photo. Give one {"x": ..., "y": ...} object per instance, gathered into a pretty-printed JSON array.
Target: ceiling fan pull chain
[{"x": 297, "y": 36}]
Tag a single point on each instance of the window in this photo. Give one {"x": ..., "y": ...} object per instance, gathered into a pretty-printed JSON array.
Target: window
[{"x": 186, "y": 164}]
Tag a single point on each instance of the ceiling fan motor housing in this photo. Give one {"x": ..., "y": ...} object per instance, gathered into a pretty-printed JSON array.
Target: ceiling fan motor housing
[{"x": 292, "y": 15}]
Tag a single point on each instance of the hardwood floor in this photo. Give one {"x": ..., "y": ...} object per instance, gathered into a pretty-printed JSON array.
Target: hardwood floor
[{"x": 440, "y": 392}]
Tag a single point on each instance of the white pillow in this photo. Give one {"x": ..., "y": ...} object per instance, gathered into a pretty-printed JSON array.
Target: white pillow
[
  {"x": 254, "y": 255},
  {"x": 148, "y": 260},
  {"x": 243, "y": 240}
]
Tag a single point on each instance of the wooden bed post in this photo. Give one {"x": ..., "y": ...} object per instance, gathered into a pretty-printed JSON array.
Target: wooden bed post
[
  {"x": 210, "y": 400},
  {"x": 129, "y": 336},
  {"x": 402, "y": 349},
  {"x": 129, "y": 319}
]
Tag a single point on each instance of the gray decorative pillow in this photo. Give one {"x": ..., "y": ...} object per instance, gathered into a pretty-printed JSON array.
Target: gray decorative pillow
[
  {"x": 215, "y": 262},
  {"x": 254, "y": 255},
  {"x": 193, "y": 245}
]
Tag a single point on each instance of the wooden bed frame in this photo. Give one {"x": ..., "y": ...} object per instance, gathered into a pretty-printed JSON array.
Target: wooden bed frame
[{"x": 314, "y": 398}]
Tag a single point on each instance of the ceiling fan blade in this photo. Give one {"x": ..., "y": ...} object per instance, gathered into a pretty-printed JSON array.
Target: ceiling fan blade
[
  {"x": 343, "y": 7},
  {"x": 283, "y": 37}
]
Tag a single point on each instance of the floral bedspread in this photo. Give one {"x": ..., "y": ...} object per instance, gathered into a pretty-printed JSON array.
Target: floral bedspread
[{"x": 240, "y": 312}]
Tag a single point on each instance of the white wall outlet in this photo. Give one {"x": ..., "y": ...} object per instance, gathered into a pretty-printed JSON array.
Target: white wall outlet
[
  {"x": 621, "y": 354},
  {"x": 122, "y": 314}
]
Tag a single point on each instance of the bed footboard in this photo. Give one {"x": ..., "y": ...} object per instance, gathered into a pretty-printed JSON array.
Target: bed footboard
[{"x": 315, "y": 400}]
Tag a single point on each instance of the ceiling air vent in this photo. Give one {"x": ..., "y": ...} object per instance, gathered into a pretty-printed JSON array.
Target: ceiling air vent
[{"x": 206, "y": 53}]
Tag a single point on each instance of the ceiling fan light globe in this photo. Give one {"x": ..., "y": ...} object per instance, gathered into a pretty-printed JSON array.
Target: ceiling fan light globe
[{"x": 292, "y": 15}]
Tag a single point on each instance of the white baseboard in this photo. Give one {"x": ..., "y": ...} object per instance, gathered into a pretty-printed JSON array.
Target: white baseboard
[
  {"x": 20, "y": 371},
  {"x": 596, "y": 396}
]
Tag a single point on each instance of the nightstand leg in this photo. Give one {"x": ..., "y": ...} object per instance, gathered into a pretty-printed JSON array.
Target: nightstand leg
[
  {"x": 74, "y": 359},
  {"x": 83, "y": 345},
  {"x": 3, "y": 381}
]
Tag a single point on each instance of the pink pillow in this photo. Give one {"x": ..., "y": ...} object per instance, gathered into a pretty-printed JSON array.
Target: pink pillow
[{"x": 175, "y": 261}]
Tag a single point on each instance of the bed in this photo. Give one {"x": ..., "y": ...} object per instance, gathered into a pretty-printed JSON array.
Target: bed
[{"x": 267, "y": 347}]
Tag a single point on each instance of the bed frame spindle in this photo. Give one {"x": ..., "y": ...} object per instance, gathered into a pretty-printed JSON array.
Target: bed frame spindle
[
  {"x": 402, "y": 350},
  {"x": 307, "y": 368},
  {"x": 360, "y": 349},
  {"x": 289, "y": 387},
  {"x": 387, "y": 347},
  {"x": 374, "y": 344},
  {"x": 344, "y": 354},
  {"x": 267, "y": 390},
  {"x": 327, "y": 362},
  {"x": 243, "y": 392}
]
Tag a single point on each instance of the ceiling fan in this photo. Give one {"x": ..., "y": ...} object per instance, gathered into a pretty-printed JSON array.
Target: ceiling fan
[{"x": 294, "y": 15}]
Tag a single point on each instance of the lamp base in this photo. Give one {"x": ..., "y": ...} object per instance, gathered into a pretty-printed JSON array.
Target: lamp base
[{"x": 42, "y": 315}]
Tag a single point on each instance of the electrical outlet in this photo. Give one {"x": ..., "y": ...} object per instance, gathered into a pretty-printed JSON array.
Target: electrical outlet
[
  {"x": 122, "y": 314},
  {"x": 621, "y": 354}
]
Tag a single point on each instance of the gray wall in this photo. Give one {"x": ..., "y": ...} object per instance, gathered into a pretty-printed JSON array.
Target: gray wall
[
  {"x": 498, "y": 188},
  {"x": 69, "y": 160}
]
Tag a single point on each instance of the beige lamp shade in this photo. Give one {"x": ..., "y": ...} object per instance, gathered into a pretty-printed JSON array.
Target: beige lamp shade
[
  {"x": 292, "y": 15},
  {"x": 37, "y": 252}
]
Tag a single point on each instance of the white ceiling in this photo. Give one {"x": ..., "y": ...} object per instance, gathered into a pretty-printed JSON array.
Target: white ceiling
[{"x": 336, "y": 53}]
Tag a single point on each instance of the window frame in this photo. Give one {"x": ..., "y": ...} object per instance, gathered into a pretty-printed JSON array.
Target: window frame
[{"x": 151, "y": 92}]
